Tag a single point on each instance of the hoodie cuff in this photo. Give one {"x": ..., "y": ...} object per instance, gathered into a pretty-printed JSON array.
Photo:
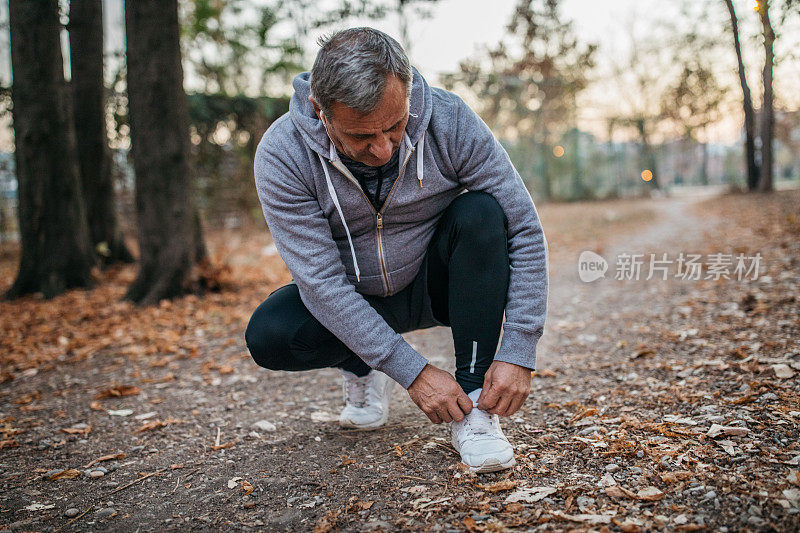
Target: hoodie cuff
[
  {"x": 518, "y": 347},
  {"x": 403, "y": 365}
]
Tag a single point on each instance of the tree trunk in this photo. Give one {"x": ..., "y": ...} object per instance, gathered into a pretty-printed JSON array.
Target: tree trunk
[
  {"x": 56, "y": 251},
  {"x": 648, "y": 158},
  {"x": 94, "y": 157},
  {"x": 767, "y": 129},
  {"x": 169, "y": 232},
  {"x": 704, "y": 165},
  {"x": 747, "y": 102}
]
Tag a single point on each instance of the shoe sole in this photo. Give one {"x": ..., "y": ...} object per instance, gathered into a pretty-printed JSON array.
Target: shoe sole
[
  {"x": 382, "y": 421},
  {"x": 489, "y": 465},
  {"x": 492, "y": 465}
]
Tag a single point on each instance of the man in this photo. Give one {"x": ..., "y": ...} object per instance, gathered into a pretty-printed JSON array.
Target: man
[{"x": 395, "y": 209}]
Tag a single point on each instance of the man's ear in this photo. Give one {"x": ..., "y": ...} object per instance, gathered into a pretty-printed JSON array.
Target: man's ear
[{"x": 317, "y": 109}]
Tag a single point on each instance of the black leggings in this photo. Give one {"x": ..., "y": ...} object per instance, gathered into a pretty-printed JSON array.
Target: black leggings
[{"x": 462, "y": 283}]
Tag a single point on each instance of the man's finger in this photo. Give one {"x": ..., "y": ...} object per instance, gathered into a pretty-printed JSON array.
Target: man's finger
[
  {"x": 501, "y": 407},
  {"x": 433, "y": 417},
  {"x": 455, "y": 411},
  {"x": 489, "y": 399},
  {"x": 464, "y": 403},
  {"x": 515, "y": 405},
  {"x": 444, "y": 416},
  {"x": 487, "y": 385}
]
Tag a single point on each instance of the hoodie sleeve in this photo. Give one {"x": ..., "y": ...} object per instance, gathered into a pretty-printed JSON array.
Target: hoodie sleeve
[
  {"x": 302, "y": 235},
  {"x": 482, "y": 164}
]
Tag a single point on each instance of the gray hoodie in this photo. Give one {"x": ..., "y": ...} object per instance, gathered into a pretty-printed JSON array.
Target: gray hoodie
[{"x": 337, "y": 247}]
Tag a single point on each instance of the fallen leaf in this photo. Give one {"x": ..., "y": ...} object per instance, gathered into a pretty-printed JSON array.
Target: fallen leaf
[
  {"x": 346, "y": 460},
  {"x": 116, "y": 392},
  {"x": 226, "y": 369},
  {"x": 363, "y": 506},
  {"x": 584, "y": 518},
  {"x": 234, "y": 482},
  {"x": 155, "y": 424},
  {"x": 472, "y": 526},
  {"x": 627, "y": 526},
  {"x": 77, "y": 431},
  {"x": 650, "y": 494},
  {"x": 586, "y": 412},
  {"x": 514, "y": 507},
  {"x": 247, "y": 487},
  {"x": 105, "y": 458},
  {"x": 39, "y": 507},
  {"x": 506, "y": 484},
  {"x": 674, "y": 477},
  {"x": 327, "y": 522},
  {"x": 120, "y": 412},
  {"x": 216, "y": 447},
  {"x": 96, "y": 406},
  {"x": 716, "y": 430},
  {"x": 616, "y": 491},
  {"x": 398, "y": 451},
  {"x": 530, "y": 494},
  {"x": 546, "y": 373},
  {"x": 70, "y": 473}
]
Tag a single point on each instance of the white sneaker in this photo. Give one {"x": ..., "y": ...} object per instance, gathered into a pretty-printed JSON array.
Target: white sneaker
[
  {"x": 480, "y": 441},
  {"x": 366, "y": 400}
]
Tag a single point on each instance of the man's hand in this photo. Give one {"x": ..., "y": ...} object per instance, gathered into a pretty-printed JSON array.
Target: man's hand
[
  {"x": 505, "y": 387},
  {"x": 439, "y": 396}
]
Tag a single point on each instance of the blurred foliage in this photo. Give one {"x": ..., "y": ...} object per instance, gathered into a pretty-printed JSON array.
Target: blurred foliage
[
  {"x": 225, "y": 131},
  {"x": 528, "y": 85}
]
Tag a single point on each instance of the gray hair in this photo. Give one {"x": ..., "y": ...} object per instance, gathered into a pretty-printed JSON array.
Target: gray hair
[{"x": 352, "y": 67}]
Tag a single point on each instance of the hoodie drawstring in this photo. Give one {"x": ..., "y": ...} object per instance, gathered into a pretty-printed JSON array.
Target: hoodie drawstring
[{"x": 335, "y": 198}]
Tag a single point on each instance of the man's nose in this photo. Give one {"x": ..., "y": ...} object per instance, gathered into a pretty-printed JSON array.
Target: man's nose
[{"x": 382, "y": 149}]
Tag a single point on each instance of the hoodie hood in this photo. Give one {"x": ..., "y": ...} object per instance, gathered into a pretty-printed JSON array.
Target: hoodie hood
[
  {"x": 311, "y": 128},
  {"x": 316, "y": 137}
]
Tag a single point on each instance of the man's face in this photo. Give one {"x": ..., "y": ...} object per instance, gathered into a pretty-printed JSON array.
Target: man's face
[{"x": 370, "y": 138}]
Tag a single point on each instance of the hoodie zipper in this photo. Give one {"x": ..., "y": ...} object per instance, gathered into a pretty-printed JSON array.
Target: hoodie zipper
[{"x": 379, "y": 214}]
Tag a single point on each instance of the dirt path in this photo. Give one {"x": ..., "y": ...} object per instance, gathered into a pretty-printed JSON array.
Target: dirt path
[{"x": 631, "y": 378}]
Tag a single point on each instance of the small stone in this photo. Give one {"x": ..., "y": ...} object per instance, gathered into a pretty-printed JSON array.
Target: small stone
[
  {"x": 135, "y": 449},
  {"x": 640, "y": 454},
  {"x": 710, "y": 495},
  {"x": 96, "y": 474},
  {"x": 612, "y": 467},
  {"x": 102, "y": 469},
  {"x": 106, "y": 513},
  {"x": 72, "y": 512},
  {"x": 634, "y": 470},
  {"x": 590, "y": 430},
  {"x": 265, "y": 426},
  {"x": 681, "y": 519}
]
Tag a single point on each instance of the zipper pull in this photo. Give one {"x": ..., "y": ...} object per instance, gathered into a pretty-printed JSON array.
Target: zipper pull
[
  {"x": 420, "y": 183},
  {"x": 380, "y": 221}
]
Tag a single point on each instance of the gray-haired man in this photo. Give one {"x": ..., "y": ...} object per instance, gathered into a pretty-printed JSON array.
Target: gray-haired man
[{"x": 395, "y": 209}]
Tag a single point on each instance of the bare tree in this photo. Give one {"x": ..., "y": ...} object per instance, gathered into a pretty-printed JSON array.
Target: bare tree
[
  {"x": 767, "y": 129},
  {"x": 747, "y": 103},
  {"x": 170, "y": 238},
  {"x": 56, "y": 251},
  {"x": 94, "y": 157}
]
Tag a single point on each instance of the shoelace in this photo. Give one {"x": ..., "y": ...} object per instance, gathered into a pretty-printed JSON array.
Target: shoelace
[
  {"x": 355, "y": 391},
  {"x": 479, "y": 422}
]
